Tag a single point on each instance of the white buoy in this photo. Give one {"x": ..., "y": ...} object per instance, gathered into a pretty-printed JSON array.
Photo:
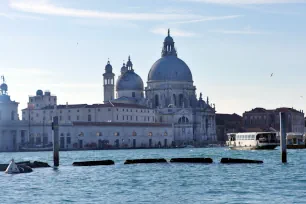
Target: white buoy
[{"x": 12, "y": 168}]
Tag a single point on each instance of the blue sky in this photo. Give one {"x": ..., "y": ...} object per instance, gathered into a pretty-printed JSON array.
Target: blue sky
[{"x": 231, "y": 47}]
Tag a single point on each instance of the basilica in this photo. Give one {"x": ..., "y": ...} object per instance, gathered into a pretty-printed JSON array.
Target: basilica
[{"x": 165, "y": 113}]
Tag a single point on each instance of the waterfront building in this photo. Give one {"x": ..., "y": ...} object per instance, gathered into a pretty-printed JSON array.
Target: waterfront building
[
  {"x": 13, "y": 132},
  {"x": 268, "y": 120},
  {"x": 165, "y": 113},
  {"x": 228, "y": 123}
]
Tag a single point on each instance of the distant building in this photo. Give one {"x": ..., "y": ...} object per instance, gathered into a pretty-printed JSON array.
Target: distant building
[
  {"x": 268, "y": 120},
  {"x": 227, "y": 123},
  {"x": 13, "y": 132}
]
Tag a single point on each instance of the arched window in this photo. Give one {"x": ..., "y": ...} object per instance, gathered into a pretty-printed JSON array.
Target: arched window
[
  {"x": 181, "y": 100},
  {"x": 156, "y": 100},
  {"x": 174, "y": 99},
  {"x": 183, "y": 120}
]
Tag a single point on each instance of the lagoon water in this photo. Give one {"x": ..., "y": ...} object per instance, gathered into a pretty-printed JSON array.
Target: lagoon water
[{"x": 271, "y": 182}]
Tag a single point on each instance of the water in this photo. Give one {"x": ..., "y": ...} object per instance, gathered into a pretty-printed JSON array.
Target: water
[{"x": 271, "y": 182}]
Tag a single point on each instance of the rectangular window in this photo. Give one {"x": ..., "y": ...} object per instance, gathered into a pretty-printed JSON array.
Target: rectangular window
[
  {"x": 89, "y": 118},
  {"x": 78, "y": 117},
  {"x": 69, "y": 117},
  {"x": 131, "y": 118},
  {"x": 0, "y": 115},
  {"x": 123, "y": 117},
  {"x": 136, "y": 118},
  {"x": 117, "y": 117},
  {"x": 60, "y": 118}
]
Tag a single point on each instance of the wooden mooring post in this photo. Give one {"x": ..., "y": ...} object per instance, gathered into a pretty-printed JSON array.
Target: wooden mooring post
[
  {"x": 283, "y": 132},
  {"x": 55, "y": 129}
]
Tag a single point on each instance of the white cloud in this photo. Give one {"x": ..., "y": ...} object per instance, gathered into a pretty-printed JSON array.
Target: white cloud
[
  {"x": 14, "y": 16},
  {"x": 209, "y": 18},
  {"x": 44, "y": 7},
  {"x": 175, "y": 32},
  {"x": 249, "y": 1},
  {"x": 240, "y": 32}
]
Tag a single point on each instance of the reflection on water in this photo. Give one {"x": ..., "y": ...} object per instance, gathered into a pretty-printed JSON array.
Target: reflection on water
[{"x": 271, "y": 182}]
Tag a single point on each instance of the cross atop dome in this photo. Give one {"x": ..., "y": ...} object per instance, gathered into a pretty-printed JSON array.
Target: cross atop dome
[{"x": 168, "y": 48}]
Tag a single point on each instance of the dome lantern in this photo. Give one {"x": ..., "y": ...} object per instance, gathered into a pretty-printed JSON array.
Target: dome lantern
[
  {"x": 123, "y": 69},
  {"x": 108, "y": 67},
  {"x": 168, "y": 48},
  {"x": 129, "y": 64},
  {"x": 3, "y": 87}
]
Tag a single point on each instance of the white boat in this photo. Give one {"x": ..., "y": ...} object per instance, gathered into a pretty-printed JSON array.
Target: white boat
[{"x": 252, "y": 140}]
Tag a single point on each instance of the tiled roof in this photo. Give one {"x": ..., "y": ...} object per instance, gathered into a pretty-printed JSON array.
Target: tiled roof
[
  {"x": 282, "y": 109},
  {"x": 121, "y": 124},
  {"x": 228, "y": 117}
]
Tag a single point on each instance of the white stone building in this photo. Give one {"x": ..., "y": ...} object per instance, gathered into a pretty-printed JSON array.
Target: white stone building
[
  {"x": 13, "y": 132},
  {"x": 165, "y": 113}
]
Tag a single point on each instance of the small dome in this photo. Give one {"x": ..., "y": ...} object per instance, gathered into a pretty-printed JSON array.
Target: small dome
[
  {"x": 4, "y": 87},
  {"x": 170, "y": 68},
  {"x": 39, "y": 93},
  {"x": 108, "y": 68},
  {"x": 169, "y": 39},
  {"x": 129, "y": 81}
]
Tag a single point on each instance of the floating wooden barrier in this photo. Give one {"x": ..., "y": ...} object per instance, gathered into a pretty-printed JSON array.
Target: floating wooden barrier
[
  {"x": 35, "y": 164},
  {"x": 192, "y": 160},
  {"x": 94, "y": 163},
  {"x": 145, "y": 161},
  {"x": 239, "y": 161}
]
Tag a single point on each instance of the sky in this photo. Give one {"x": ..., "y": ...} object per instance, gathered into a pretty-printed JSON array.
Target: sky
[{"x": 231, "y": 46}]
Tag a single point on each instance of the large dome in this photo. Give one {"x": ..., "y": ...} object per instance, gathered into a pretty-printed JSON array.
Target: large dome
[
  {"x": 129, "y": 81},
  {"x": 170, "y": 68}
]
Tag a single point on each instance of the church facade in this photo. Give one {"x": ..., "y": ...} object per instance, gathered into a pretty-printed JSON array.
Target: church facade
[
  {"x": 170, "y": 92},
  {"x": 165, "y": 113}
]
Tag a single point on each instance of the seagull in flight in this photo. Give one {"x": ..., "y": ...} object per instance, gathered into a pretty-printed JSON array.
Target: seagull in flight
[{"x": 271, "y": 75}]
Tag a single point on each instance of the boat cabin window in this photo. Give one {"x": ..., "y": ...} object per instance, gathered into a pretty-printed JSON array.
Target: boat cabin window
[{"x": 266, "y": 137}]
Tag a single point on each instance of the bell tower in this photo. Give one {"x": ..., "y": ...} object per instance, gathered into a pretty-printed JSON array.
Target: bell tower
[{"x": 108, "y": 83}]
